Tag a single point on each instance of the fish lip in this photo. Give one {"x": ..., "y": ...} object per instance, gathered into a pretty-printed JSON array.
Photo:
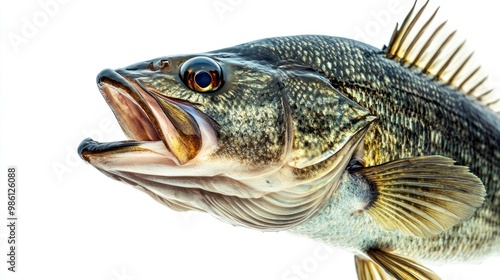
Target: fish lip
[
  {"x": 145, "y": 118},
  {"x": 89, "y": 146}
]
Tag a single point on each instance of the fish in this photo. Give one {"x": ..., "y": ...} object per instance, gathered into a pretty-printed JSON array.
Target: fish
[{"x": 390, "y": 153}]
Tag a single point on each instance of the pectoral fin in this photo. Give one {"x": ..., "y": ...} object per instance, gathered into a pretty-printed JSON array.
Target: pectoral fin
[
  {"x": 423, "y": 196},
  {"x": 386, "y": 266}
]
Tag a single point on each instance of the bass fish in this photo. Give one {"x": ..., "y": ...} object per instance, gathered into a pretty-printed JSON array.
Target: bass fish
[{"x": 392, "y": 153}]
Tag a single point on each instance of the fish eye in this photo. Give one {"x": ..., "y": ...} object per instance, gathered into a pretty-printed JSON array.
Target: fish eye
[{"x": 201, "y": 74}]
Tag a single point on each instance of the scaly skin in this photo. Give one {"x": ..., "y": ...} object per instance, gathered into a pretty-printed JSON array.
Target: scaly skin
[
  {"x": 416, "y": 116},
  {"x": 287, "y": 120}
]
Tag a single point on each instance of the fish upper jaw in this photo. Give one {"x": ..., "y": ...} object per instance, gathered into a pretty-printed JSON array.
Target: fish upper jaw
[{"x": 148, "y": 116}]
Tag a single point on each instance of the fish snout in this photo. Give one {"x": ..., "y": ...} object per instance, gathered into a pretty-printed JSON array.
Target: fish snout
[{"x": 161, "y": 65}]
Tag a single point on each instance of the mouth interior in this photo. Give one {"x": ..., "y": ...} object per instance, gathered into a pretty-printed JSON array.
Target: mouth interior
[
  {"x": 133, "y": 120},
  {"x": 147, "y": 115}
]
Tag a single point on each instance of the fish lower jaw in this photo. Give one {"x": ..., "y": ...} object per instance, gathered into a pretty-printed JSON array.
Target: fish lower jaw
[
  {"x": 113, "y": 156},
  {"x": 95, "y": 152}
]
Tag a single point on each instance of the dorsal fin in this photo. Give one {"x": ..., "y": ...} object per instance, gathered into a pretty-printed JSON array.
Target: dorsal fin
[{"x": 417, "y": 44}]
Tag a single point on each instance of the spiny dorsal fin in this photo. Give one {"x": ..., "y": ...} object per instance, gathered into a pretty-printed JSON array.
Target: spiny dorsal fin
[{"x": 418, "y": 44}]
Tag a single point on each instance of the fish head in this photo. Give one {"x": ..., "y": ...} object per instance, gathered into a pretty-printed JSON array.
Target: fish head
[{"x": 237, "y": 133}]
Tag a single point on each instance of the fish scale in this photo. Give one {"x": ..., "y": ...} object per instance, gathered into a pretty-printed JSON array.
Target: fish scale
[
  {"x": 400, "y": 86},
  {"x": 416, "y": 117},
  {"x": 463, "y": 131},
  {"x": 389, "y": 154}
]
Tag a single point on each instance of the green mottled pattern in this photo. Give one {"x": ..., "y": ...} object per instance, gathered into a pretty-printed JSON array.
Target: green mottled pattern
[
  {"x": 247, "y": 110},
  {"x": 319, "y": 131},
  {"x": 296, "y": 107},
  {"x": 416, "y": 116}
]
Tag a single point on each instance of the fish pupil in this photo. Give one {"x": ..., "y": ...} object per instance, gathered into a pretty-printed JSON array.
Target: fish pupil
[{"x": 203, "y": 79}]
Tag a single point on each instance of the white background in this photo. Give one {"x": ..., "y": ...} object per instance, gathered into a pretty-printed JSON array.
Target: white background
[{"x": 75, "y": 223}]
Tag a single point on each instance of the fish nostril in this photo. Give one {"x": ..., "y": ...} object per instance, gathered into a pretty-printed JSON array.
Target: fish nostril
[
  {"x": 159, "y": 65},
  {"x": 154, "y": 65},
  {"x": 151, "y": 66},
  {"x": 163, "y": 65}
]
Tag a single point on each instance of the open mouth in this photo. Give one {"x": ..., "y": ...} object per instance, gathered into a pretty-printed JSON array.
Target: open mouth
[{"x": 148, "y": 116}]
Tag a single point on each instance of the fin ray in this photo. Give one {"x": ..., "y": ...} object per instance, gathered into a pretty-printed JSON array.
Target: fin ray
[
  {"x": 398, "y": 266},
  {"x": 422, "y": 196},
  {"x": 416, "y": 43},
  {"x": 368, "y": 270}
]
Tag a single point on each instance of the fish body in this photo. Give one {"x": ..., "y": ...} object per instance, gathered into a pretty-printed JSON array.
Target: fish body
[
  {"x": 380, "y": 152},
  {"x": 416, "y": 116}
]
